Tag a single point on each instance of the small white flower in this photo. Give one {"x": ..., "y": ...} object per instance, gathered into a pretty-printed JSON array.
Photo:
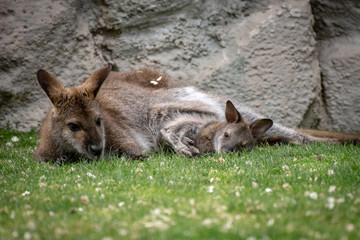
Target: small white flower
[
  {"x": 151, "y": 177},
  {"x": 332, "y": 189},
  {"x": 102, "y": 196},
  {"x": 248, "y": 163},
  {"x": 89, "y": 174},
  {"x": 80, "y": 209},
  {"x": 156, "y": 211},
  {"x": 15, "y": 139},
  {"x": 285, "y": 168},
  {"x": 121, "y": 204},
  {"x": 27, "y": 236},
  {"x": 350, "y": 227},
  {"x": 25, "y": 193},
  {"x": 270, "y": 222},
  {"x": 85, "y": 199},
  {"x": 313, "y": 195},
  {"x": 330, "y": 172},
  {"x": 210, "y": 189},
  {"x": 211, "y": 180},
  {"x": 107, "y": 238},
  {"x": 268, "y": 190},
  {"x": 98, "y": 189},
  {"x": 330, "y": 203},
  {"x": 286, "y": 186}
]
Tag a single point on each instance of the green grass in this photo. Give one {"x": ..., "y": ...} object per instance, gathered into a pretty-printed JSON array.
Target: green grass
[{"x": 281, "y": 192}]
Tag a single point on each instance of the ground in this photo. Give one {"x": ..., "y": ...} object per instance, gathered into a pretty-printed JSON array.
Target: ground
[{"x": 278, "y": 192}]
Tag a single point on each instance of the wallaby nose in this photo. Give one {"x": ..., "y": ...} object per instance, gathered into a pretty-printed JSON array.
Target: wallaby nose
[{"x": 95, "y": 149}]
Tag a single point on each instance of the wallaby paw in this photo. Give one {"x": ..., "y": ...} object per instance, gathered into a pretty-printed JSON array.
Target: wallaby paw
[
  {"x": 136, "y": 153},
  {"x": 188, "y": 151},
  {"x": 187, "y": 141}
]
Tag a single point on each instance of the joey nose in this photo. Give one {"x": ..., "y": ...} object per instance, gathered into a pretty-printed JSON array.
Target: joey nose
[{"x": 95, "y": 149}]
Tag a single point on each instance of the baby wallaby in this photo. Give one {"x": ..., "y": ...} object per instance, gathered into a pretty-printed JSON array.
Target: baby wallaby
[{"x": 205, "y": 135}]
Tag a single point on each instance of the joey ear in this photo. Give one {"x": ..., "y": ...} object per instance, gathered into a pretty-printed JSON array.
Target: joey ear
[
  {"x": 93, "y": 83},
  {"x": 231, "y": 113},
  {"x": 260, "y": 126},
  {"x": 52, "y": 87}
]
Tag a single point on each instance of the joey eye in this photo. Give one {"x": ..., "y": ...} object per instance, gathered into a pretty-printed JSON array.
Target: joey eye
[
  {"x": 98, "y": 122},
  {"x": 226, "y": 135},
  {"x": 74, "y": 127}
]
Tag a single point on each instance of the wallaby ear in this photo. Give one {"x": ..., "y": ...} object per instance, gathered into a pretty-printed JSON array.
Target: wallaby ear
[
  {"x": 52, "y": 87},
  {"x": 231, "y": 113},
  {"x": 93, "y": 83},
  {"x": 260, "y": 126}
]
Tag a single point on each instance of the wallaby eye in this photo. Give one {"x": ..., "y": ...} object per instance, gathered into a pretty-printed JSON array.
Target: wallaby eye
[
  {"x": 226, "y": 135},
  {"x": 98, "y": 122},
  {"x": 74, "y": 127}
]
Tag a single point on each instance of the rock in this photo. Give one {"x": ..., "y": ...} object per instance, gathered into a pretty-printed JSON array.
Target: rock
[
  {"x": 338, "y": 37},
  {"x": 262, "y": 52}
]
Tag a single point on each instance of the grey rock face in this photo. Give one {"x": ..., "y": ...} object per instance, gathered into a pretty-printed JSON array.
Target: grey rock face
[
  {"x": 338, "y": 36},
  {"x": 262, "y": 52}
]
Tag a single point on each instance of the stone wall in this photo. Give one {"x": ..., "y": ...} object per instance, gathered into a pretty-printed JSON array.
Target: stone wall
[{"x": 264, "y": 52}]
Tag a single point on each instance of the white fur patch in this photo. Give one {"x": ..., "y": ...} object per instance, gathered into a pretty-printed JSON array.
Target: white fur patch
[
  {"x": 217, "y": 145},
  {"x": 186, "y": 118},
  {"x": 193, "y": 94},
  {"x": 141, "y": 140}
]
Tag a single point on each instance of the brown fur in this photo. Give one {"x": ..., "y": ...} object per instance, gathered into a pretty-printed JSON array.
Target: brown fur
[
  {"x": 341, "y": 138},
  {"x": 233, "y": 135},
  {"x": 75, "y": 108},
  {"x": 129, "y": 111}
]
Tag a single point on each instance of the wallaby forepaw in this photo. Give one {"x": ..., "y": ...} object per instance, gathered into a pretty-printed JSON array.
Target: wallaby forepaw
[
  {"x": 187, "y": 141},
  {"x": 188, "y": 151}
]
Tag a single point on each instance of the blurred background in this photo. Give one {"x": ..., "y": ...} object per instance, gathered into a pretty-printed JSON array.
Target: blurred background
[{"x": 297, "y": 62}]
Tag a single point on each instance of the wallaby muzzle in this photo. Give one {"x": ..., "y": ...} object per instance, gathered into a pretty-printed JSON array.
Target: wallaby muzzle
[{"x": 95, "y": 149}]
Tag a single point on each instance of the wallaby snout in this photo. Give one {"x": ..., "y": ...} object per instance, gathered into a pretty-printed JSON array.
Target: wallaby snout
[{"x": 96, "y": 149}]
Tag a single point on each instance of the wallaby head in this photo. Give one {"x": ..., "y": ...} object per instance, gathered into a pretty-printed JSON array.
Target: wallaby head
[
  {"x": 75, "y": 121},
  {"x": 233, "y": 135}
]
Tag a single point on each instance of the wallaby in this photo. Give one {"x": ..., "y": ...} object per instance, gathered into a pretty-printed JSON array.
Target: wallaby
[
  {"x": 122, "y": 114},
  {"x": 191, "y": 136},
  {"x": 74, "y": 127}
]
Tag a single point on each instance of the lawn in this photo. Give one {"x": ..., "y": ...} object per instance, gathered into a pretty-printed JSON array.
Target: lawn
[{"x": 281, "y": 192}]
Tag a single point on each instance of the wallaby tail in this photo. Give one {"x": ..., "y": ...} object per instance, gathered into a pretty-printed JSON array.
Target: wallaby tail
[{"x": 331, "y": 137}]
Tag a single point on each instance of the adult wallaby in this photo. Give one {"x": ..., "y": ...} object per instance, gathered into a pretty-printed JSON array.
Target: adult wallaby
[
  {"x": 191, "y": 136},
  {"x": 74, "y": 126},
  {"x": 122, "y": 114}
]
